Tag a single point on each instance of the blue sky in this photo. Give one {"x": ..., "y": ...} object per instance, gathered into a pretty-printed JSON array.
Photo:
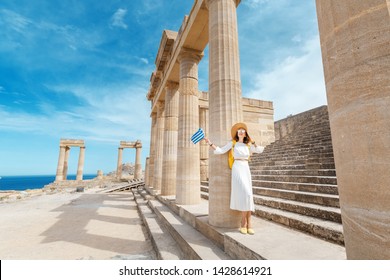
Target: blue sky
[{"x": 80, "y": 69}]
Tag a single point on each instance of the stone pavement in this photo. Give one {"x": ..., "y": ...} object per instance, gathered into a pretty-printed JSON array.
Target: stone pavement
[{"x": 69, "y": 226}]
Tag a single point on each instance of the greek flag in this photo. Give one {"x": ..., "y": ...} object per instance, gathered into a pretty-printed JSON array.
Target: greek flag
[{"x": 199, "y": 135}]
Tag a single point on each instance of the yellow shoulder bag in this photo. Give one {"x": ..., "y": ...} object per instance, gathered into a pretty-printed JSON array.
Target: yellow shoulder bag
[{"x": 231, "y": 155}]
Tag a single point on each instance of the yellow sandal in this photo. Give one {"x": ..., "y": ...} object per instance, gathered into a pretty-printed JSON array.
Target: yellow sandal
[{"x": 244, "y": 230}]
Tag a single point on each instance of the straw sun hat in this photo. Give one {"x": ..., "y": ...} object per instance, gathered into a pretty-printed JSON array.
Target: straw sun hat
[{"x": 236, "y": 127}]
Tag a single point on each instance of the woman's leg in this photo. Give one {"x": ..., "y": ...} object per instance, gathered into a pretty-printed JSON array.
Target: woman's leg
[
  {"x": 244, "y": 222},
  {"x": 248, "y": 219}
]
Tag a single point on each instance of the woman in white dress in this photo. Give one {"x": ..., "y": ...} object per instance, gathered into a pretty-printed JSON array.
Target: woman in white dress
[{"x": 241, "y": 197}]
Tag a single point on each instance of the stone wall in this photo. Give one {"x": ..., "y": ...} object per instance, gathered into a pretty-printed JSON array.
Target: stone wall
[
  {"x": 287, "y": 125},
  {"x": 257, "y": 114}
]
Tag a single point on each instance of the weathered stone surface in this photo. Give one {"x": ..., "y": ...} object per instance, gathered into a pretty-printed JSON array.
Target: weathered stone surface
[{"x": 355, "y": 38}]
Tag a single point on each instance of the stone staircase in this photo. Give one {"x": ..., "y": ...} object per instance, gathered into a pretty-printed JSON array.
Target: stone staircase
[
  {"x": 182, "y": 232},
  {"x": 294, "y": 180},
  {"x": 172, "y": 231},
  {"x": 297, "y": 215}
]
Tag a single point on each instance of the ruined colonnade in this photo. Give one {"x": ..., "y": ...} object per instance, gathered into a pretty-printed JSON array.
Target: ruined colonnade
[
  {"x": 175, "y": 165},
  {"x": 138, "y": 167},
  {"x": 62, "y": 166}
]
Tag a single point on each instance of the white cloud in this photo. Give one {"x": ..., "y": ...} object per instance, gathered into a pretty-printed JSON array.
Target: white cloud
[
  {"x": 144, "y": 60},
  {"x": 14, "y": 20},
  {"x": 255, "y": 3},
  {"x": 109, "y": 114},
  {"x": 117, "y": 19},
  {"x": 294, "y": 85}
]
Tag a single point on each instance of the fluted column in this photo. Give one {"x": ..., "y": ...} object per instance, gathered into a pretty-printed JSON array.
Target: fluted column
[
  {"x": 159, "y": 147},
  {"x": 170, "y": 139},
  {"x": 66, "y": 163},
  {"x": 80, "y": 165},
  {"x": 224, "y": 105},
  {"x": 146, "y": 175},
  {"x": 355, "y": 38},
  {"x": 188, "y": 169},
  {"x": 204, "y": 148},
  {"x": 153, "y": 132},
  {"x": 119, "y": 165},
  {"x": 138, "y": 166},
  {"x": 60, "y": 165}
]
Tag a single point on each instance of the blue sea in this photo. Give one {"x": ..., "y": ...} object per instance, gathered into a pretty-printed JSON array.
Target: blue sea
[{"x": 21, "y": 183}]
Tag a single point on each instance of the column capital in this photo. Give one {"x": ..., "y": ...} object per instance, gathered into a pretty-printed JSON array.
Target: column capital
[
  {"x": 187, "y": 53},
  {"x": 172, "y": 85},
  {"x": 160, "y": 105}
]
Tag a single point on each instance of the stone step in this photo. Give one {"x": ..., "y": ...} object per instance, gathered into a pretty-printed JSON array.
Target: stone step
[
  {"x": 271, "y": 240},
  {"x": 313, "y": 210},
  {"x": 295, "y": 160},
  {"x": 164, "y": 245},
  {"x": 204, "y": 189},
  {"x": 293, "y": 154},
  {"x": 328, "y": 180},
  {"x": 303, "y": 136},
  {"x": 306, "y": 142},
  {"x": 311, "y": 166},
  {"x": 326, "y": 230},
  {"x": 193, "y": 244},
  {"x": 332, "y": 214},
  {"x": 290, "y": 161},
  {"x": 297, "y": 172},
  {"x": 299, "y": 147},
  {"x": 299, "y": 187},
  {"x": 307, "y": 197}
]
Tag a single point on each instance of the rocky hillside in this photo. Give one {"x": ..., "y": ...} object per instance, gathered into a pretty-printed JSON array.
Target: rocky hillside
[{"x": 127, "y": 170}]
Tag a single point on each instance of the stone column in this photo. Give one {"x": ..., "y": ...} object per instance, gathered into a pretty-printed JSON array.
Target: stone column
[
  {"x": 224, "y": 105},
  {"x": 60, "y": 165},
  {"x": 188, "y": 163},
  {"x": 152, "y": 150},
  {"x": 204, "y": 148},
  {"x": 66, "y": 163},
  {"x": 138, "y": 166},
  {"x": 355, "y": 38},
  {"x": 146, "y": 175},
  {"x": 80, "y": 165},
  {"x": 170, "y": 139},
  {"x": 119, "y": 165},
  {"x": 99, "y": 175},
  {"x": 159, "y": 147}
]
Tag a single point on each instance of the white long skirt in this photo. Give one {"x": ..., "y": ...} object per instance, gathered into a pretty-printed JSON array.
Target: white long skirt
[{"x": 241, "y": 194}]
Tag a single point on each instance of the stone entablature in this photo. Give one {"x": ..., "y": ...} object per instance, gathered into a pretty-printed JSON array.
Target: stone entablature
[
  {"x": 192, "y": 35},
  {"x": 130, "y": 144},
  {"x": 72, "y": 143}
]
